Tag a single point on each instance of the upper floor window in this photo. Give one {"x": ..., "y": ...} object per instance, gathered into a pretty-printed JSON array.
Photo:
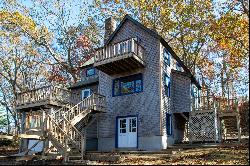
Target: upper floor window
[
  {"x": 127, "y": 85},
  {"x": 167, "y": 85},
  {"x": 178, "y": 66},
  {"x": 166, "y": 56},
  {"x": 90, "y": 72}
]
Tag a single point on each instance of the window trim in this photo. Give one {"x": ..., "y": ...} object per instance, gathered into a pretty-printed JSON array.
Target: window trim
[
  {"x": 90, "y": 69},
  {"x": 134, "y": 82}
]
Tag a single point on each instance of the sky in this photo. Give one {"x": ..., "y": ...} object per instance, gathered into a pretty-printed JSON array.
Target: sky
[{"x": 74, "y": 9}]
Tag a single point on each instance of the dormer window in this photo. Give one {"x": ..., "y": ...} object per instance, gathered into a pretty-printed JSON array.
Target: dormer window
[
  {"x": 166, "y": 56},
  {"x": 90, "y": 72}
]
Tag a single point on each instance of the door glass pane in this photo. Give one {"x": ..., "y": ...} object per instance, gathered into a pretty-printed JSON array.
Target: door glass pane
[
  {"x": 132, "y": 125},
  {"x": 122, "y": 130},
  {"x": 134, "y": 122},
  {"x": 85, "y": 93},
  {"x": 123, "y": 123}
]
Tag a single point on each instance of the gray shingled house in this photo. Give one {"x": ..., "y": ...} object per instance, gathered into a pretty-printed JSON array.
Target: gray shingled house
[{"x": 134, "y": 94}]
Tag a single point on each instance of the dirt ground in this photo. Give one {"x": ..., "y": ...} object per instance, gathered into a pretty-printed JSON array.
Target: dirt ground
[
  {"x": 204, "y": 156},
  {"x": 236, "y": 155}
]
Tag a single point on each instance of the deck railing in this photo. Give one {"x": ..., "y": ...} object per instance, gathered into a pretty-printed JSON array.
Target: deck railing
[
  {"x": 43, "y": 94},
  {"x": 202, "y": 103},
  {"x": 227, "y": 105},
  {"x": 119, "y": 49},
  {"x": 211, "y": 102}
]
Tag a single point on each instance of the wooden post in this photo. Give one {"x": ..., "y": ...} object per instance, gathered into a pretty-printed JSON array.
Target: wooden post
[
  {"x": 84, "y": 141},
  {"x": 215, "y": 122},
  {"x": 65, "y": 151},
  {"x": 44, "y": 131},
  {"x": 219, "y": 130},
  {"x": 190, "y": 130},
  {"x": 239, "y": 129},
  {"x": 82, "y": 144}
]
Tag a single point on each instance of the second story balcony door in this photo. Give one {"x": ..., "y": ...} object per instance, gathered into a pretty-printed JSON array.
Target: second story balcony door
[{"x": 86, "y": 93}]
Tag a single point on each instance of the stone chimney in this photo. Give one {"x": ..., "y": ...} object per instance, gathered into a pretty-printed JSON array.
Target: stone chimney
[{"x": 110, "y": 25}]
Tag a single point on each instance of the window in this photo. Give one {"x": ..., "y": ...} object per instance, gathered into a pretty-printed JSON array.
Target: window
[
  {"x": 178, "y": 66},
  {"x": 169, "y": 124},
  {"x": 127, "y": 85},
  {"x": 90, "y": 72},
  {"x": 166, "y": 56},
  {"x": 167, "y": 85},
  {"x": 194, "y": 91}
]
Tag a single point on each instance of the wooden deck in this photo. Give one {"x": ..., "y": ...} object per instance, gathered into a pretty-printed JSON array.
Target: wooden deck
[
  {"x": 43, "y": 96},
  {"x": 121, "y": 57}
]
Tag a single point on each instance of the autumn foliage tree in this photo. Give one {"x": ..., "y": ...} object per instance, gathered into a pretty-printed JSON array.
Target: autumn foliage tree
[
  {"x": 40, "y": 47},
  {"x": 197, "y": 30},
  {"x": 62, "y": 40},
  {"x": 21, "y": 68}
]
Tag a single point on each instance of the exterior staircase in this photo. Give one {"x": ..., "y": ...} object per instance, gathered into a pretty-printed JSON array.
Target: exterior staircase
[
  {"x": 230, "y": 127},
  {"x": 65, "y": 127}
]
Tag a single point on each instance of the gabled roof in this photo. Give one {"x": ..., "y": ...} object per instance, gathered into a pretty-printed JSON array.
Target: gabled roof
[
  {"x": 156, "y": 35},
  {"x": 90, "y": 61}
]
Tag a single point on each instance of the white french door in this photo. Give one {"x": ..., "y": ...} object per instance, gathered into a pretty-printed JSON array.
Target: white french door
[{"x": 127, "y": 132}]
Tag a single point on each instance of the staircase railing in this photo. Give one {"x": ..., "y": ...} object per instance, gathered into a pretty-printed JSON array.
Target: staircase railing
[
  {"x": 95, "y": 101},
  {"x": 59, "y": 125},
  {"x": 65, "y": 134},
  {"x": 59, "y": 114}
]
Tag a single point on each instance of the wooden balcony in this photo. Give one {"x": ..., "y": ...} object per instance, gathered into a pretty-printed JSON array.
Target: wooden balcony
[
  {"x": 48, "y": 95},
  {"x": 121, "y": 57}
]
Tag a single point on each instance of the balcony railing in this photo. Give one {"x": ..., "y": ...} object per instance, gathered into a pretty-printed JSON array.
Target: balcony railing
[
  {"x": 121, "y": 56},
  {"x": 47, "y": 93}
]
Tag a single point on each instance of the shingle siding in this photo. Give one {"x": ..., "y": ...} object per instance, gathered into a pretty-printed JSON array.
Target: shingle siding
[
  {"x": 179, "y": 99},
  {"x": 150, "y": 105},
  {"x": 145, "y": 104},
  {"x": 76, "y": 94},
  {"x": 182, "y": 93}
]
